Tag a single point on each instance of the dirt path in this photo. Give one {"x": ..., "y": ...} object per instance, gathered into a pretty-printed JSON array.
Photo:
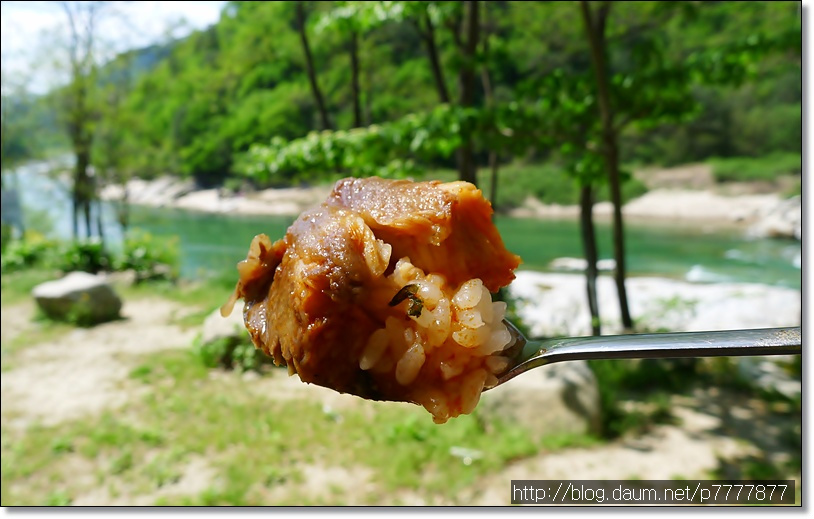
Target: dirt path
[{"x": 86, "y": 370}]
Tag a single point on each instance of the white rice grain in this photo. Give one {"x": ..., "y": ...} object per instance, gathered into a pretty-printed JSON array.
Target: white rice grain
[
  {"x": 410, "y": 364},
  {"x": 469, "y": 318},
  {"x": 496, "y": 364},
  {"x": 469, "y": 294},
  {"x": 375, "y": 348}
]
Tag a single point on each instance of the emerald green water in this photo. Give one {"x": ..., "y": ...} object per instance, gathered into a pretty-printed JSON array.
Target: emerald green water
[{"x": 213, "y": 244}]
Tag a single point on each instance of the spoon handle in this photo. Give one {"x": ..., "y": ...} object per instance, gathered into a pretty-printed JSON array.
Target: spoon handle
[{"x": 765, "y": 341}]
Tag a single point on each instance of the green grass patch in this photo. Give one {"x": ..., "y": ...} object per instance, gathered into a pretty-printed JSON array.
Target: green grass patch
[
  {"x": 253, "y": 444},
  {"x": 207, "y": 294},
  {"x": 747, "y": 169},
  {"x": 17, "y": 286}
]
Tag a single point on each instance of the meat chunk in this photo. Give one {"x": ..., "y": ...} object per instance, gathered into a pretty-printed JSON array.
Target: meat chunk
[{"x": 384, "y": 292}]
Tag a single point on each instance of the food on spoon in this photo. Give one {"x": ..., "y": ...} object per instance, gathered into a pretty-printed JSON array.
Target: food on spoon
[{"x": 384, "y": 291}]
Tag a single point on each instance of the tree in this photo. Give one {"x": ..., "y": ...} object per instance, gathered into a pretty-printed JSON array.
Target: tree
[
  {"x": 301, "y": 22},
  {"x": 77, "y": 99},
  {"x": 595, "y": 28},
  {"x": 463, "y": 22}
]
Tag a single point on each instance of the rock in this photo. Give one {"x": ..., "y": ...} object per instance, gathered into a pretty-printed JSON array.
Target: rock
[
  {"x": 217, "y": 327},
  {"x": 783, "y": 220},
  {"x": 580, "y": 264},
  {"x": 561, "y": 398},
  {"x": 125, "y": 278},
  {"x": 80, "y": 297},
  {"x": 555, "y": 304}
]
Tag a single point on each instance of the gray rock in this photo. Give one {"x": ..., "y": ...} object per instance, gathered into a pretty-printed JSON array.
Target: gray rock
[
  {"x": 217, "y": 327},
  {"x": 80, "y": 297},
  {"x": 784, "y": 220},
  {"x": 558, "y": 399}
]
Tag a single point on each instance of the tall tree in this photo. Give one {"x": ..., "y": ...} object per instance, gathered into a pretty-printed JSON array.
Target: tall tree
[
  {"x": 468, "y": 45},
  {"x": 78, "y": 108},
  {"x": 301, "y": 22},
  {"x": 489, "y": 96},
  {"x": 463, "y": 22},
  {"x": 595, "y": 25}
]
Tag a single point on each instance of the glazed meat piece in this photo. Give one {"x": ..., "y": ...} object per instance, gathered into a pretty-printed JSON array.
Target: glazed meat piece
[{"x": 384, "y": 292}]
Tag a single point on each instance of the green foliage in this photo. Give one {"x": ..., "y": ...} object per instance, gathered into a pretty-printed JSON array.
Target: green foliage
[
  {"x": 231, "y": 353},
  {"x": 6, "y": 235},
  {"x": 32, "y": 250},
  {"x": 550, "y": 184},
  {"x": 744, "y": 169},
  {"x": 84, "y": 255},
  {"x": 150, "y": 257},
  {"x": 688, "y": 81}
]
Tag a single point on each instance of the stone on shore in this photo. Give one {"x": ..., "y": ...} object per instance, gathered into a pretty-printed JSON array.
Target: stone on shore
[
  {"x": 78, "y": 297},
  {"x": 783, "y": 220}
]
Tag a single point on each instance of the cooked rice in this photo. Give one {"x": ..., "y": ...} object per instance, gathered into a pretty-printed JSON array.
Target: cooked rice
[{"x": 449, "y": 351}]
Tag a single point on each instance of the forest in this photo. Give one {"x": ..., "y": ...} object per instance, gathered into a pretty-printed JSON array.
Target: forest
[
  {"x": 688, "y": 81},
  {"x": 291, "y": 93}
]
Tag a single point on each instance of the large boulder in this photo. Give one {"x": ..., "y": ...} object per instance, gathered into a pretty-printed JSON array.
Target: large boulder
[
  {"x": 559, "y": 399},
  {"x": 783, "y": 220},
  {"x": 78, "y": 297}
]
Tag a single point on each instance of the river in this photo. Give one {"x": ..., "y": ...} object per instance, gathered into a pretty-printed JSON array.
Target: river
[{"x": 213, "y": 243}]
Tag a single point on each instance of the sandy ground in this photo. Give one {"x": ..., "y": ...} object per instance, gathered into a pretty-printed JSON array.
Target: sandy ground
[{"x": 86, "y": 370}]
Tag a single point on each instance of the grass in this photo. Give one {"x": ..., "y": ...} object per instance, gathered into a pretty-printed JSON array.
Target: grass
[
  {"x": 747, "y": 169},
  {"x": 254, "y": 443},
  {"x": 17, "y": 286}
]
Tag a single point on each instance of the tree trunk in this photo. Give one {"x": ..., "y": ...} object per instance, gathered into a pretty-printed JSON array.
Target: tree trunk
[
  {"x": 467, "y": 168},
  {"x": 75, "y": 211},
  {"x": 354, "y": 79},
  {"x": 586, "y": 206},
  {"x": 309, "y": 65},
  {"x": 595, "y": 30},
  {"x": 428, "y": 35},
  {"x": 494, "y": 164},
  {"x": 82, "y": 188},
  {"x": 99, "y": 222}
]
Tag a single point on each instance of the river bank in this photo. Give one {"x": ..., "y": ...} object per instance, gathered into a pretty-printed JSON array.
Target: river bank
[{"x": 686, "y": 203}]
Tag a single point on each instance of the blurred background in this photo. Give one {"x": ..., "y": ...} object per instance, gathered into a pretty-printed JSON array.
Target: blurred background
[{"x": 643, "y": 158}]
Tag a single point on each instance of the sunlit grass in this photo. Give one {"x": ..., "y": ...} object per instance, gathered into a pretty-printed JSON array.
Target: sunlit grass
[
  {"x": 17, "y": 286},
  {"x": 252, "y": 443}
]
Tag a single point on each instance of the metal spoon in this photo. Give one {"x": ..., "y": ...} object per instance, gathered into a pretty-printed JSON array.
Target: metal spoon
[{"x": 527, "y": 354}]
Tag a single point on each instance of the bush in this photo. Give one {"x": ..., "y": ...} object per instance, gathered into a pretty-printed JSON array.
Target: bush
[
  {"x": 32, "y": 250},
  {"x": 84, "y": 255},
  {"x": 149, "y": 256},
  {"x": 549, "y": 183},
  {"x": 745, "y": 169},
  {"x": 231, "y": 353}
]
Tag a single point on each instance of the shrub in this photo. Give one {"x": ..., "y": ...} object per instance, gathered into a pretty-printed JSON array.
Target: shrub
[
  {"x": 745, "y": 169},
  {"x": 231, "y": 353},
  {"x": 84, "y": 255},
  {"x": 149, "y": 256},
  {"x": 32, "y": 250}
]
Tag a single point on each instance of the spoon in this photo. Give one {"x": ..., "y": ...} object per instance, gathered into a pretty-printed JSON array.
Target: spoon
[{"x": 528, "y": 354}]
